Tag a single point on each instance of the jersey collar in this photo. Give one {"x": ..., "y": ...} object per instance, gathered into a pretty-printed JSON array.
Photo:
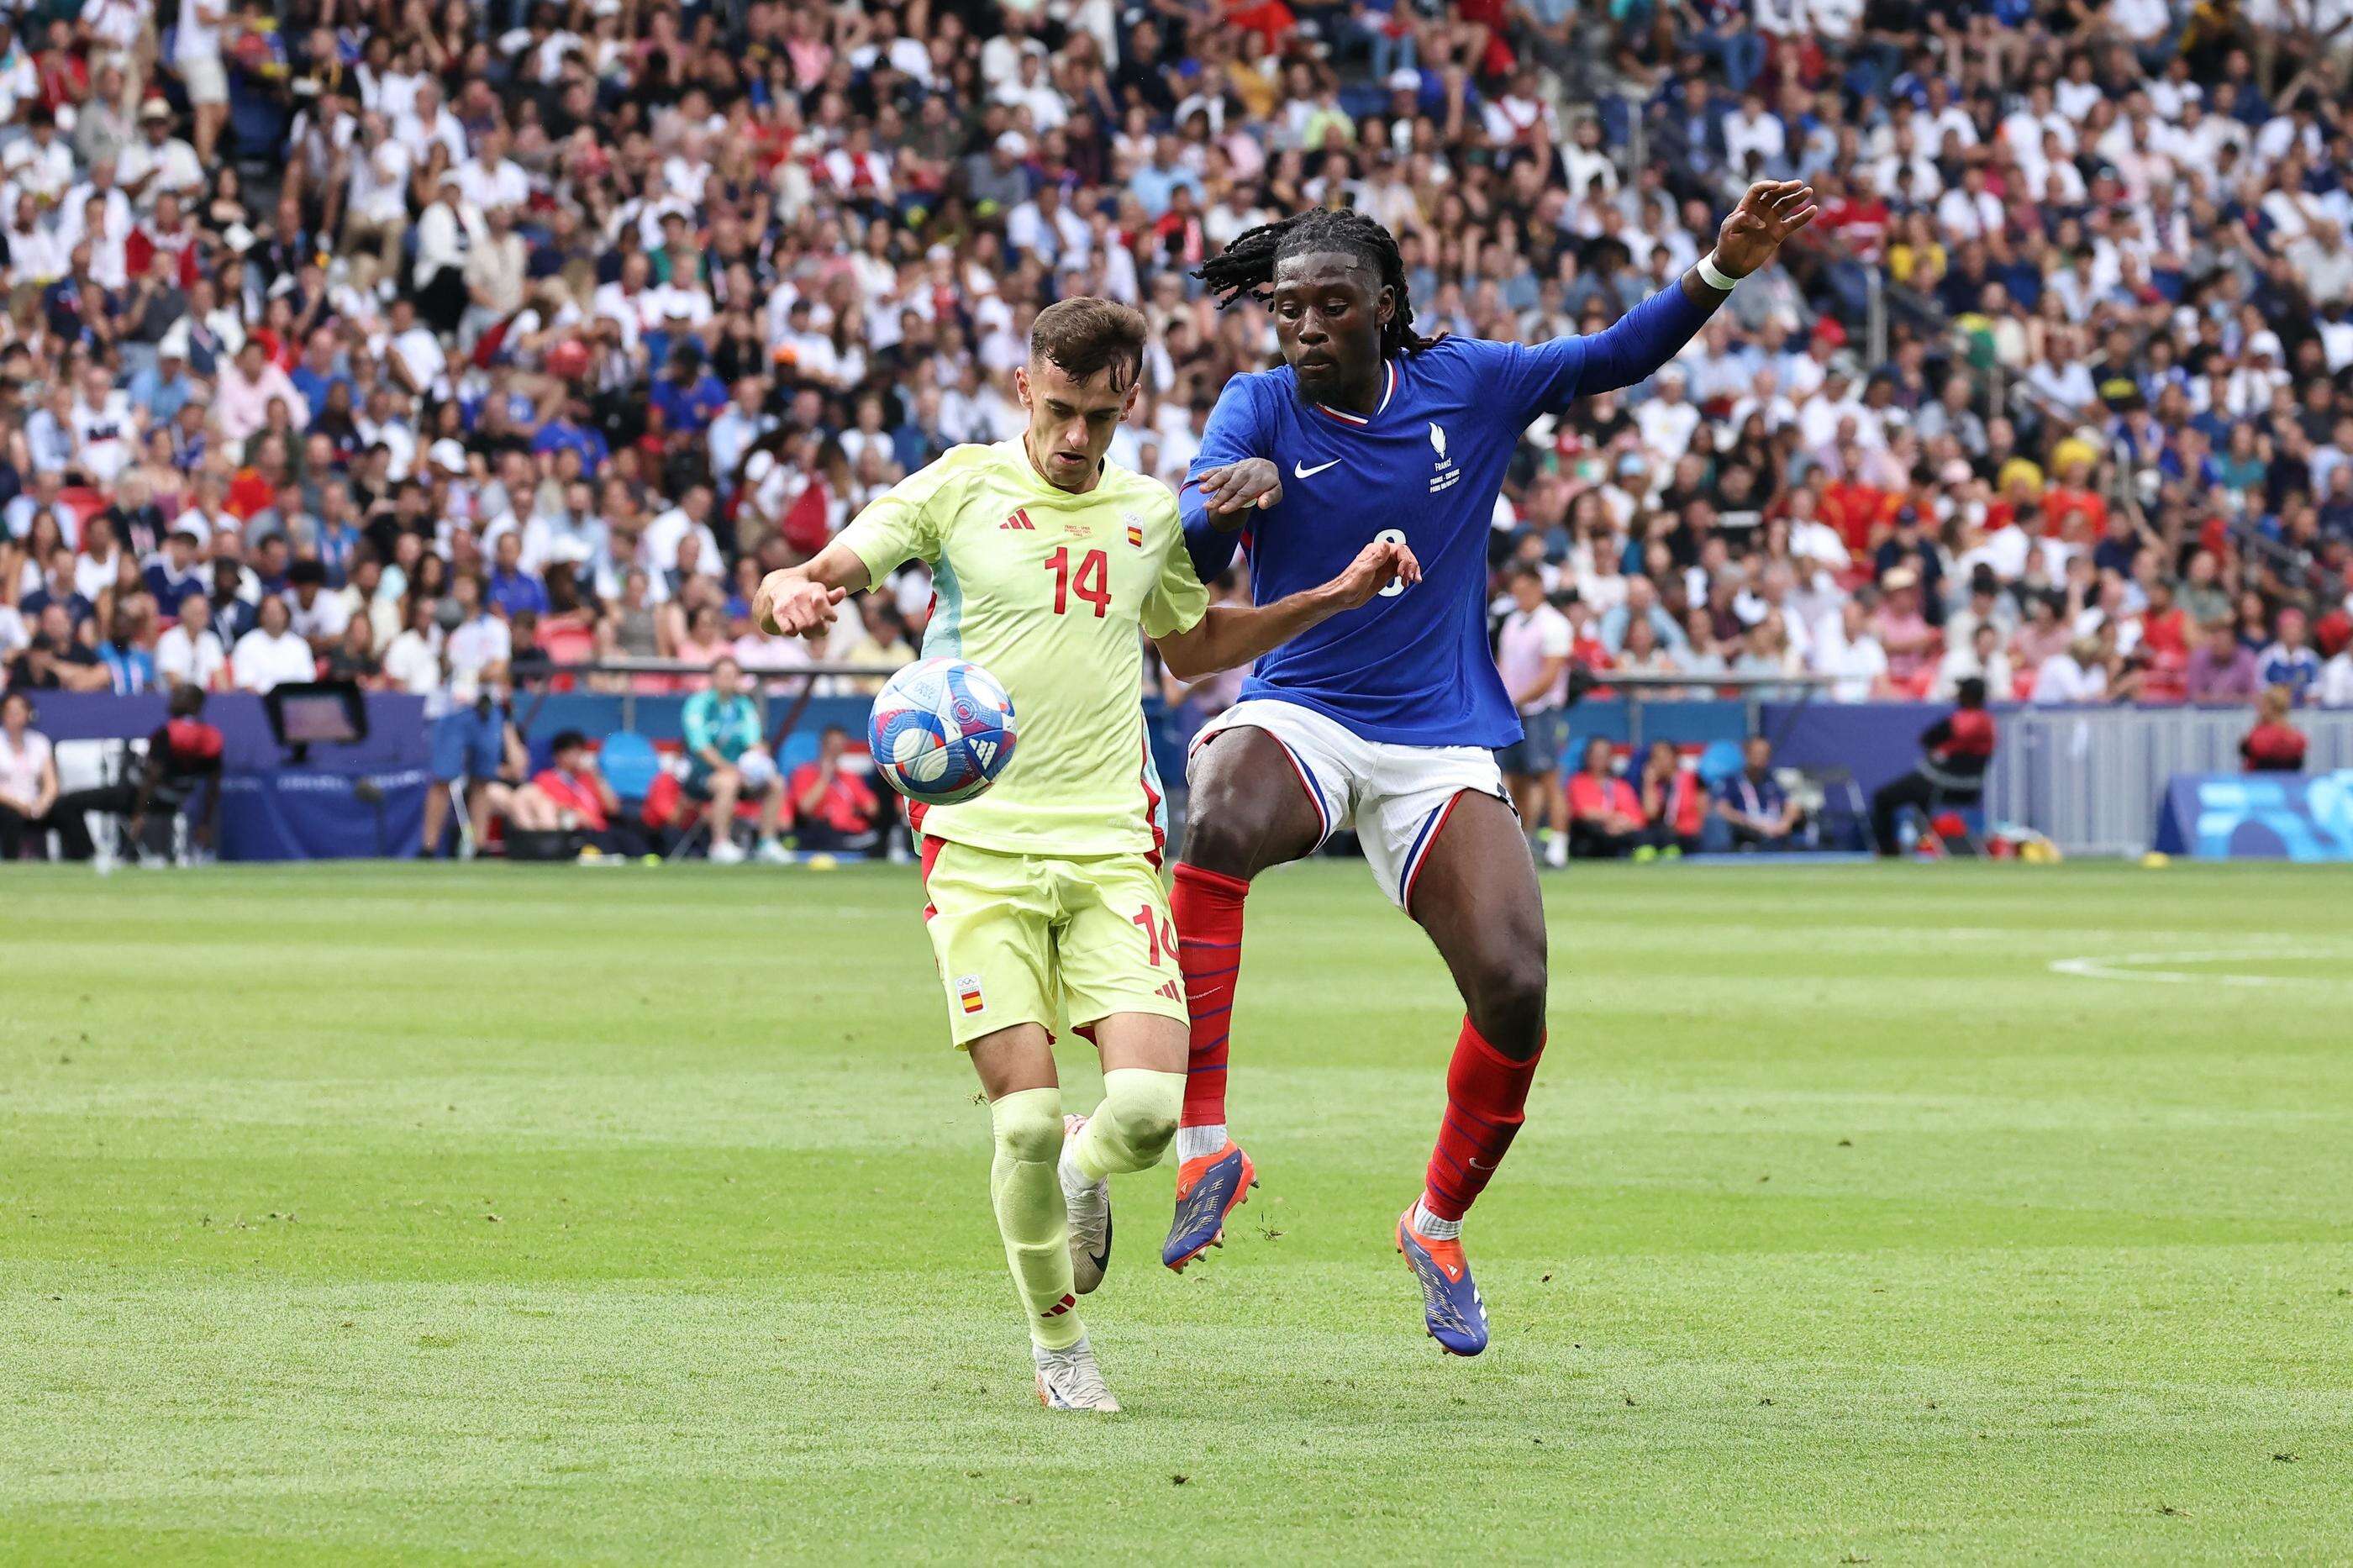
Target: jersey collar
[{"x": 1361, "y": 420}]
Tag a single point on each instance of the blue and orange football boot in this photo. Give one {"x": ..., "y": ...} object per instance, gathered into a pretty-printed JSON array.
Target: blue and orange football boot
[
  {"x": 1208, "y": 1188},
  {"x": 1451, "y": 1307}
]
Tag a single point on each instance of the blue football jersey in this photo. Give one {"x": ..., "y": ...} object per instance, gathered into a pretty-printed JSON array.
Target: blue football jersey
[{"x": 1413, "y": 665}]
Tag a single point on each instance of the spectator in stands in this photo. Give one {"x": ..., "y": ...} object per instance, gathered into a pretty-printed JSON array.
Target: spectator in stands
[
  {"x": 1981, "y": 657},
  {"x": 2078, "y": 293},
  {"x": 571, "y": 796},
  {"x": 1604, "y": 816},
  {"x": 1672, "y": 800},
  {"x": 2077, "y": 674},
  {"x": 2273, "y": 745},
  {"x": 2336, "y": 687},
  {"x": 726, "y": 762},
  {"x": 189, "y": 654},
  {"x": 270, "y": 654},
  {"x": 29, "y": 777},
  {"x": 1754, "y": 806},
  {"x": 1532, "y": 648},
  {"x": 56, "y": 658},
  {"x": 2290, "y": 662},
  {"x": 2221, "y": 669},
  {"x": 834, "y": 809},
  {"x": 1955, "y": 751}
]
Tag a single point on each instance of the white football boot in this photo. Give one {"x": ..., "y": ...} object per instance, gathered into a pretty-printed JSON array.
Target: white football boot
[
  {"x": 1090, "y": 1206},
  {"x": 1070, "y": 1380}
]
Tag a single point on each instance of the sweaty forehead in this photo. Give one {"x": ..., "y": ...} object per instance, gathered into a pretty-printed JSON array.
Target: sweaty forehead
[{"x": 1322, "y": 268}]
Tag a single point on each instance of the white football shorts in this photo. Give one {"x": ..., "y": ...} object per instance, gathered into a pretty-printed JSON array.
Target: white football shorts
[{"x": 1394, "y": 797}]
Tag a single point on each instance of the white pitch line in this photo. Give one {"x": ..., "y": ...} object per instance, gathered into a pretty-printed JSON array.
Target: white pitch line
[{"x": 2113, "y": 968}]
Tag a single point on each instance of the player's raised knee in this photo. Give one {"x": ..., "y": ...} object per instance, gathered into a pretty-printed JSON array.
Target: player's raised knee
[{"x": 1144, "y": 1106}]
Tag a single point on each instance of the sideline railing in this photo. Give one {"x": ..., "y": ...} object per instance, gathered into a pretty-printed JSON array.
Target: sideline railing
[
  {"x": 796, "y": 686},
  {"x": 1754, "y": 690}
]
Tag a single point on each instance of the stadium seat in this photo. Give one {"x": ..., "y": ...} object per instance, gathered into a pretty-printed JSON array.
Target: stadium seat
[
  {"x": 629, "y": 763},
  {"x": 1719, "y": 762},
  {"x": 796, "y": 748}
]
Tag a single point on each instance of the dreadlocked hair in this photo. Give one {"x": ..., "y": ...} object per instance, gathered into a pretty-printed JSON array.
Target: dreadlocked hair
[{"x": 1246, "y": 269}]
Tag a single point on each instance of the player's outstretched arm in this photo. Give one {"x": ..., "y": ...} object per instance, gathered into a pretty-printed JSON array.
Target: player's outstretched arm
[
  {"x": 801, "y": 601},
  {"x": 1655, "y": 331},
  {"x": 1232, "y": 635}
]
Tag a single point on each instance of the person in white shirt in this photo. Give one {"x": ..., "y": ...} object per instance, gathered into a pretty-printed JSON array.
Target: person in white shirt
[
  {"x": 478, "y": 641},
  {"x": 490, "y": 178},
  {"x": 158, "y": 162},
  {"x": 196, "y": 57},
  {"x": 1668, "y": 419},
  {"x": 106, "y": 428},
  {"x": 1852, "y": 656},
  {"x": 2335, "y": 686},
  {"x": 413, "y": 661},
  {"x": 1044, "y": 226},
  {"x": 1981, "y": 657},
  {"x": 190, "y": 653},
  {"x": 28, "y": 775},
  {"x": 428, "y": 121},
  {"x": 448, "y": 228},
  {"x": 658, "y": 548},
  {"x": 413, "y": 351},
  {"x": 270, "y": 654},
  {"x": 1532, "y": 652},
  {"x": 2074, "y": 675}
]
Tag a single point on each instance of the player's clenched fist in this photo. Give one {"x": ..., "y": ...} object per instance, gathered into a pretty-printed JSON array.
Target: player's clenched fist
[
  {"x": 789, "y": 605},
  {"x": 1230, "y": 490},
  {"x": 1377, "y": 565}
]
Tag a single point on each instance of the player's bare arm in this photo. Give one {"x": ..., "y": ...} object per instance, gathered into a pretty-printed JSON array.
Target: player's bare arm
[
  {"x": 1232, "y": 635},
  {"x": 1769, "y": 213},
  {"x": 805, "y": 600}
]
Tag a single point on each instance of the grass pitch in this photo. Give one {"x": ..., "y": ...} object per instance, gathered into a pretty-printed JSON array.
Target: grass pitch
[{"x": 374, "y": 1214}]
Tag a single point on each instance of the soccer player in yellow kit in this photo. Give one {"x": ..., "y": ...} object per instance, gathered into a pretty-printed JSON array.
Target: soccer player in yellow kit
[{"x": 1045, "y": 899}]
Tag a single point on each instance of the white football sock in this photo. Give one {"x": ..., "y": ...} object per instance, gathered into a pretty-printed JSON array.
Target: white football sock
[
  {"x": 1192, "y": 1143},
  {"x": 1430, "y": 1225}
]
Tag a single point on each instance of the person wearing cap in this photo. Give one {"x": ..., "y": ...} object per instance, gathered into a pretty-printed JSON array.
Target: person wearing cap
[
  {"x": 1904, "y": 633},
  {"x": 157, "y": 163}
]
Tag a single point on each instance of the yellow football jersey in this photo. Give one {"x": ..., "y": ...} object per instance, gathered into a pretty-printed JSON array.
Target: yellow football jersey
[{"x": 1046, "y": 590}]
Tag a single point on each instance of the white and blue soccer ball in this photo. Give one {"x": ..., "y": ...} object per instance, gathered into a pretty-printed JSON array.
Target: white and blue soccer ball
[{"x": 941, "y": 730}]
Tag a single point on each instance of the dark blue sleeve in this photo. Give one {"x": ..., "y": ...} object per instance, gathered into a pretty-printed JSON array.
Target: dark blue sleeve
[
  {"x": 1233, "y": 434},
  {"x": 1640, "y": 340}
]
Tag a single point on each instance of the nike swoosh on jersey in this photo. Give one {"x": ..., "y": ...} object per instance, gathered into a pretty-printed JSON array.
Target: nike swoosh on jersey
[{"x": 1297, "y": 472}]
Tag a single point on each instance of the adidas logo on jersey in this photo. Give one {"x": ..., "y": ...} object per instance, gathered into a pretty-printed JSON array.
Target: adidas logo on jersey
[
  {"x": 1168, "y": 989},
  {"x": 1018, "y": 521}
]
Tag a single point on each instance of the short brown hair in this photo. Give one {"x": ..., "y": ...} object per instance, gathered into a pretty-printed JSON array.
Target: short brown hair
[{"x": 1086, "y": 336}]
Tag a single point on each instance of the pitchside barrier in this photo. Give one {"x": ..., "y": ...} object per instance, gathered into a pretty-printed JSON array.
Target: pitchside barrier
[{"x": 2094, "y": 780}]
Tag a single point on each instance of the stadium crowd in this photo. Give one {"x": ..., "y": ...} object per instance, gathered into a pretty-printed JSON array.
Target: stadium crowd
[{"x": 420, "y": 343}]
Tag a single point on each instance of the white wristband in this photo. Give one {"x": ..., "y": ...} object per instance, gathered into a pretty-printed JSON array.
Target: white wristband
[{"x": 1715, "y": 277}]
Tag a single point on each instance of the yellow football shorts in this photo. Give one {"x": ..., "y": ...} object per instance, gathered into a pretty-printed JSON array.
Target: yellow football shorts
[{"x": 1031, "y": 939}]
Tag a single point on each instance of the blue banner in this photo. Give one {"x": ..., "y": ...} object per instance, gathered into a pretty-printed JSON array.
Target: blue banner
[
  {"x": 2258, "y": 816},
  {"x": 316, "y": 814}
]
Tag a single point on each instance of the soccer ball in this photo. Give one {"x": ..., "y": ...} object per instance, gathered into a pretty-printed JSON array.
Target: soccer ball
[{"x": 941, "y": 730}]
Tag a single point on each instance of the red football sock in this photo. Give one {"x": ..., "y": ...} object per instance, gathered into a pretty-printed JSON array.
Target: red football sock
[
  {"x": 1485, "y": 1094},
  {"x": 1208, "y": 906}
]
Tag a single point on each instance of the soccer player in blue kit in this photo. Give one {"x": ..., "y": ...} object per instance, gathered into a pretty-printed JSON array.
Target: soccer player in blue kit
[{"x": 1387, "y": 718}]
